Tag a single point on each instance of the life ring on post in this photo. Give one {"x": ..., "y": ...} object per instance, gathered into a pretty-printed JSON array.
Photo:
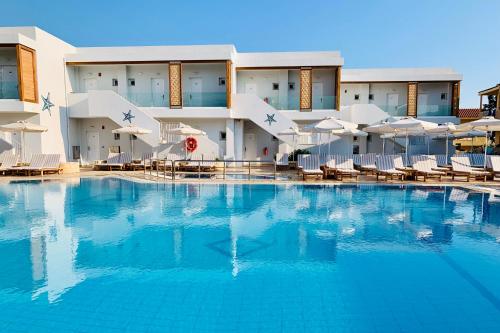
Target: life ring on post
[
  {"x": 265, "y": 151},
  {"x": 191, "y": 144}
]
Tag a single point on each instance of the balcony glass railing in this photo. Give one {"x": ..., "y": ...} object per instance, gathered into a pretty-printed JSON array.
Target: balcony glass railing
[
  {"x": 280, "y": 103},
  {"x": 395, "y": 110},
  {"x": 433, "y": 110},
  {"x": 9, "y": 90},
  {"x": 148, "y": 99},
  {"x": 204, "y": 99},
  {"x": 323, "y": 102}
]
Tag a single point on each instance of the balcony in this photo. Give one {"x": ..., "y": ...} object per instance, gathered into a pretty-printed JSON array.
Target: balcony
[
  {"x": 435, "y": 110},
  {"x": 148, "y": 99},
  {"x": 281, "y": 103},
  {"x": 395, "y": 110},
  {"x": 323, "y": 102},
  {"x": 9, "y": 90},
  {"x": 204, "y": 99}
]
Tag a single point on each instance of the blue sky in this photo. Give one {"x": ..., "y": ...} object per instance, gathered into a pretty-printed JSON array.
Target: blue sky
[{"x": 462, "y": 34}]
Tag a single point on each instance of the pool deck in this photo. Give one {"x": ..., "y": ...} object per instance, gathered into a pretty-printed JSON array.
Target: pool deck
[{"x": 140, "y": 176}]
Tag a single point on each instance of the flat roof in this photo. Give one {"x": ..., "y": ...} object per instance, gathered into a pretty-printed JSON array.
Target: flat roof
[
  {"x": 289, "y": 59},
  {"x": 399, "y": 74}
]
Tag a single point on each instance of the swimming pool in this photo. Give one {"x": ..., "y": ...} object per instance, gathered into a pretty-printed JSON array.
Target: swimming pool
[{"x": 114, "y": 255}]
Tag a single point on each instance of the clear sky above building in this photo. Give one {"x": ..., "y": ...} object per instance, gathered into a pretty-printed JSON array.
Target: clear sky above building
[{"x": 461, "y": 34}]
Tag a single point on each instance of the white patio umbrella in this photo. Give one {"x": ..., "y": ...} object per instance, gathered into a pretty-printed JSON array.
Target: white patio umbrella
[
  {"x": 329, "y": 124},
  {"x": 487, "y": 124},
  {"x": 384, "y": 129},
  {"x": 294, "y": 132},
  {"x": 23, "y": 127},
  {"x": 185, "y": 131},
  {"x": 445, "y": 129},
  {"x": 4, "y": 145},
  {"x": 410, "y": 125},
  {"x": 132, "y": 130},
  {"x": 349, "y": 132}
]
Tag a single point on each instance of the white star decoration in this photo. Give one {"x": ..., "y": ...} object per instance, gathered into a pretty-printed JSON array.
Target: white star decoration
[{"x": 47, "y": 104}]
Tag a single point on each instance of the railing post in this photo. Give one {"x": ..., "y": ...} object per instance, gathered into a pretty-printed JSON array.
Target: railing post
[
  {"x": 199, "y": 170},
  {"x": 165, "y": 169},
  {"x": 173, "y": 170},
  {"x": 224, "y": 171},
  {"x": 274, "y": 164},
  {"x": 249, "y": 166}
]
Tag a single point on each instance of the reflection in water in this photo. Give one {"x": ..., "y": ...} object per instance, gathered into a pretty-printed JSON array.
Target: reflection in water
[{"x": 55, "y": 235}]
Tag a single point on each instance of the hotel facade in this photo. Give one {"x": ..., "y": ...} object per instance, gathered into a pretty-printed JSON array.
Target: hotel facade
[{"x": 243, "y": 101}]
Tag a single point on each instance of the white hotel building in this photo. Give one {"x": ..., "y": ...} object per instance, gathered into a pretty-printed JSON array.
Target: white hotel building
[{"x": 227, "y": 94}]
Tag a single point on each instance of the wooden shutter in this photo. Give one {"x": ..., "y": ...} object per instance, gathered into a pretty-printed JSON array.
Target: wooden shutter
[
  {"x": 26, "y": 69},
  {"x": 175, "y": 81},
  {"x": 412, "y": 99},
  {"x": 305, "y": 89}
]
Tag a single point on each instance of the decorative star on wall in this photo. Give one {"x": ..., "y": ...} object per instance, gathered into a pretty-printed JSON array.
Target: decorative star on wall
[
  {"x": 128, "y": 116},
  {"x": 47, "y": 104},
  {"x": 270, "y": 119}
]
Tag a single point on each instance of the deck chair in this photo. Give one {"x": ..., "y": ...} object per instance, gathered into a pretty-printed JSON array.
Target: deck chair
[
  {"x": 386, "y": 167},
  {"x": 209, "y": 163},
  {"x": 476, "y": 160},
  {"x": 146, "y": 161},
  {"x": 344, "y": 166},
  {"x": 35, "y": 166},
  {"x": 494, "y": 165},
  {"x": 461, "y": 168},
  {"x": 425, "y": 166},
  {"x": 310, "y": 166},
  {"x": 329, "y": 167},
  {"x": 113, "y": 161},
  {"x": 282, "y": 160},
  {"x": 357, "y": 159},
  {"x": 52, "y": 163},
  {"x": 367, "y": 163},
  {"x": 7, "y": 162},
  {"x": 442, "y": 161}
]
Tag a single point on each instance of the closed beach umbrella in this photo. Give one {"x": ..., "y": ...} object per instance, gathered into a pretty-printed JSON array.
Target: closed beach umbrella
[
  {"x": 410, "y": 125},
  {"x": 487, "y": 124},
  {"x": 23, "y": 127},
  {"x": 185, "y": 131},
  {"x": 4, "y": 146},
  {"x": 132, "y": 130},
  {"x": 294, "y": 132},
  {"x": 329, "y": 124},
  {"x": 444, "y": 129}
]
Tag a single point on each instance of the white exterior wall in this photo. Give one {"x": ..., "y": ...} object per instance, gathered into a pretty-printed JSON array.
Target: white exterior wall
[
  {"x": 381, "y": 90},
  {"x": 348, "y": 91},
  {"x": 208, "y": 73}
]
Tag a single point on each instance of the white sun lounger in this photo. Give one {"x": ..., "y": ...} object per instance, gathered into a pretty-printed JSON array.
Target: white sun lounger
[
  {"x": 344, "y": 166},
  {"x": 36, "y": 165},
  {"x": 386, "y": 166},
  {"x": 309, "y": 166},
  {"x": 425, "y": 166},
  {"x": 282, "y": 160},
  {"x": 367, "y": 163},
  {"x": 7, "y": 162},
  {"x": 52, "y": 163},
  {"x": 461, "y": 167},
  {"x": 494, "y": 164}
]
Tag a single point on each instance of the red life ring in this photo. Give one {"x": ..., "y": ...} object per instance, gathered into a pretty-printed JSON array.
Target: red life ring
[
  {"x": 191, "y": 144},
  {"x": 265, "y": 151}
]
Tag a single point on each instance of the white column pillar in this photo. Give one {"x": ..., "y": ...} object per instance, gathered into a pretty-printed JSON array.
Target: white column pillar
[
  {"x": 230, "y": 138},
  {"x": 238, "y": 139}
]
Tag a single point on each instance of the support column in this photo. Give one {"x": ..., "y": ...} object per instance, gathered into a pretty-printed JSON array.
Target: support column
[
  {"x": 238, "y": 139},
  {"x": 497, "y": 115},
  {"x": 175, "y": 84},
  {"x": 412, "y": 99},
  {"x": 230, "y": 138},
  {"x": 455, "y": 98},
  {"x": 305, "y": 89},
  {"x": 229, "y": 71},
  {"x": 337, "y": 88}
]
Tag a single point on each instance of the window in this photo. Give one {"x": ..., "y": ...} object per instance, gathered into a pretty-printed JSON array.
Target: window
[
  {"x": 76, "y": 152},
  {"x": 370, "y": 97},
  {"x": 114, "y": 149},
  {"x": 356, "y": 97},
  {"x": 131, "y": 82},
  {"x": 291, "y": 85},
  {"x": 114, "y": 82},
  {"x": 276, "y": 86},
  {"x": 222, "y": 81},
  {"x": 133, "y": 137},
  {"x": 222, "y": 136},
  {"x": 117, "y": 136},
  {"x": 444, "y": 96}
]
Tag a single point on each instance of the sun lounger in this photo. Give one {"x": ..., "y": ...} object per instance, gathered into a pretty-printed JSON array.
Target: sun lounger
[
  {"x": 282, "y": 160},
  {"x": 52, "y": 163},
  {"x": 367, "y": 163},
  {"x": 476, "y": 160},
  {"x": 209, "y": 162},
  {"x": 146, "y": 161},
  {"x": 7, "y": 162},
  {"x": 386, "y": 167},
  {"x": 309, "y": 166},
  {"x": 461, "y": 167},
  {"x": 357, "y": 159},
  {"x": 329, "y": 167},
  {"x": 113, "y": 161},
  {"x": 442, "y": 161},
  {"x": 344, "y": 166},
  {"x": 425, "y": 166},
  {"x": 494, "y": 164},
  {"x": 35, "y": 166}
]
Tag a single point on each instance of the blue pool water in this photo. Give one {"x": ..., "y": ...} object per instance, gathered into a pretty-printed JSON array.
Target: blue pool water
[{"x": 109, "y": 255}]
